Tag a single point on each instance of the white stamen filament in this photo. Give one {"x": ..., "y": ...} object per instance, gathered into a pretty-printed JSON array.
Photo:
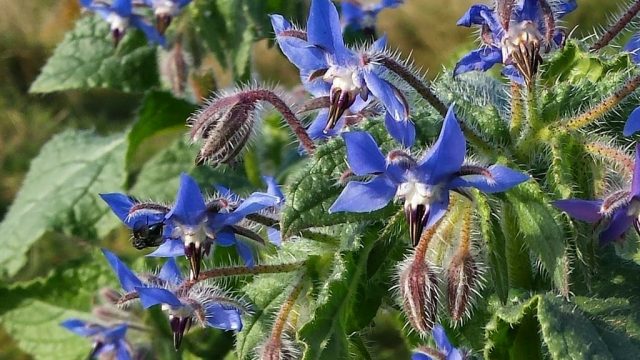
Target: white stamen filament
[{"x": 524, "y": 32}]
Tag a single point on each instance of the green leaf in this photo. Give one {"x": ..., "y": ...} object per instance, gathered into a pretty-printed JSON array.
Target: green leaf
[
  {"x": 60, "y": 192},
  {"x": 314, "y": 188},
  {"x": 30, "y": 310},
  {"x": 86, "y": 58},
  {"x": 495, "y": 245},
  {"x": 160, "y": 111}
]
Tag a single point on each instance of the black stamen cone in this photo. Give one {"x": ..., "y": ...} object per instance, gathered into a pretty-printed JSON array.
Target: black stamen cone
[
  {"x": 416, "y": 218},
  {"x": 193, "y": 252},
  {"x": 179, "y": 326},
  {"x": 162, "y": 22}
]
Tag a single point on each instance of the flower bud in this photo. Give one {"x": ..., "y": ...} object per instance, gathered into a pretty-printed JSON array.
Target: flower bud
[
  {"x": 279, "y": 349},
  {"x": 419, "y": 292},
  {"x": 462, "y": 280}
]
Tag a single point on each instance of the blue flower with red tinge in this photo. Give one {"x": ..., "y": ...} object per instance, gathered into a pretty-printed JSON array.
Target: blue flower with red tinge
[
  {"x": 423, "y": 185},
  {"x": 120, "y": 17},
  {"x": 618, "y": 212},
  {"x": 513, "y": 34},
  {"x": 328, "y": 68},
  {"x": 445, "y": 350},
  {"x": 108, "y": 341},
  {"x": 362, "y": 14}
]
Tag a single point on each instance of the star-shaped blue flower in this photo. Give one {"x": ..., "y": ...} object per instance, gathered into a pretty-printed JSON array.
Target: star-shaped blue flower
[
  {"x": 108, "y": 342},
  {"x": 328, "y": 68},
  {"x": 445, "y": 349},
  {"x": 515, "y": 41},
  {"x": 424, "y": 185},
  {"x": 362, "y": 14},
  {"x": 120, "y": 16},
  {"x": 619, "y": 211}
]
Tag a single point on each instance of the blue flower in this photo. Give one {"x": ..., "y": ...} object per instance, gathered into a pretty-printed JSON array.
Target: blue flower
[
  {"x": 632, "y": 125},
  {"x": 328, "y": 68},
  {"x": 120, "y": 16},
  {"x": 619, "y": 211},
  {"x": 165, "y": 11},
  {"x": 633, "y": 46},
  {"x": 108, "y": 342},
  {"x": 514, "y": 37},
  {"x": 445, "y": 349},
  {"x": 361, "y": 14},
  {"x": 197, "y": 224},
  {"x": 424, "y": 185}
]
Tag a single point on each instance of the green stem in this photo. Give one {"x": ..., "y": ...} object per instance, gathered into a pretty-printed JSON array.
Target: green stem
[
  {"x": 560, "y": 170},
  {"x": 515, "y": 127},
  {"x": 531, "y": 136}
]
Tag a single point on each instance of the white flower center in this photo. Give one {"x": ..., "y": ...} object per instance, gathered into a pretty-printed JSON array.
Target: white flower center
[
  {"x": 520, "y": 34},
  {"x": 166, "y": 7},
  {"x": 368, "y": 5},
  {"x": 415, "y": 193},
  {"x": 184, "y": 311},
  {"x": 343, "y": 78},
  {"x": 118, "y": 22},
  {"x": 191, "y": 234}
]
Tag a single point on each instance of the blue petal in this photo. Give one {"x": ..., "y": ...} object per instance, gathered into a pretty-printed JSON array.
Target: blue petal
[
  {"x": 503, "y": 179},
  {"x": 323, "y": 29},
  {"x": 455, "y": 354},
  {"x": 360, "y": 196},
  {"x": 562, "y": 8},
  {"x": 246, "y": 253},
  {"x": 170, "y": 272},
  {"x": 633, "y": 123},
  {"x": 513, "y": 74},
  {"x": 275, "y": 236},
  {"x": 303, "y": 55},
  {"x": 120, "y": 204},
  {"x": 617, "y": 227},
  {"x": 274, "y": 189},
  {"x": 445, "y": 157},
  {"x": 316, "y": 129},
  {"x": 254, "y": 203},
  {"x": 352, "y": 14},
  {"x": 169, "y": 248},
  {"x": 279, "y": 23},
  {"x": 149, "y": 31},
  {"x": 190, "y": 207},
  {"x": 115, "y": 333},
  {"x": 154, "y": 296},
  {"x": 385, "y": 92},
  {"x": 128, "y": 280},
  {"x": 474, "y": 16},
  {"x": 633, "y": 46},
  {"x": 438, "y": 209},
  {"x": 380, "y": 44},
  {"x": 635, "y": 181},
  {"x": 363, "y": 155},
  {"x": 122, "y": 7},
  {"x": 403, "y": 131},
  {"x": 225, "y": 238},
  {"x": 223, "y": 318},
  {"x": 420, "y": 356},
  {"x": 583, "y": 210},
  {"x": 440, "y": 337},
  {"x": 122, "y": 352},
  {"x": 478, "y": 60},
  {"x": 529, "y": 10},
  {"x": 81, "y": 327}
]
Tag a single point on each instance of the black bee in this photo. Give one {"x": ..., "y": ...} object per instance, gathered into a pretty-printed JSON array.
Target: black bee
[{"x": 146, "y": 235}]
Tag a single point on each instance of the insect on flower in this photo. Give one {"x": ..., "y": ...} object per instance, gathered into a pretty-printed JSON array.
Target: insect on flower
[
  {"x": 108, "y": 342},
  {"x": 514, "y": 33},
  {"x": 618, "y": 212},
  {"x": 424, "y": 184},
  {"x": 120, "y": 16}
]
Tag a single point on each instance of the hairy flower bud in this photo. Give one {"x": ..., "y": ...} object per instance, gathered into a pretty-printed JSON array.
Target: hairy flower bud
[
  {"x": 419, "y": 292},
  {"x": 462, "y": 280},
  {"x": 174, "y": 68},
  {"x": 279, "y": 349}
]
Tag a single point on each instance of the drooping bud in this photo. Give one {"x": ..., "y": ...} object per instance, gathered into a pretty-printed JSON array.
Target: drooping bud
[
  {"x": 419, "y": 292},
  {"x": 174, "y": 68},
  {"x": 462, "y": 279}
]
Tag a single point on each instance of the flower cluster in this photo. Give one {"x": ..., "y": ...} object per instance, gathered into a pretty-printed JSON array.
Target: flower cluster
[{"x": 120, "y": 15}]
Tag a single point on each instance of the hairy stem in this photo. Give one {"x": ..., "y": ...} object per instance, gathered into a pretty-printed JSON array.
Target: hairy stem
[
  {"x": 612, "y": 154},
  {"x": 516, "y": 111},
  {"x": 275, "y": 340},
  {"x": 603, "y": 107},
  {"x": 420, "y": 251},
  {"x": 616, "y": 28},
  {"x": 557, "y": 173}
]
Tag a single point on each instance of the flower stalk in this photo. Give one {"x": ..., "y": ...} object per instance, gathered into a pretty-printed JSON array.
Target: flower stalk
[{"x": 617, "y": 27}]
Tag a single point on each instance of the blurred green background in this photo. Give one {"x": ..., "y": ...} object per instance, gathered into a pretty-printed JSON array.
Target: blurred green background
[{"x": 30, "y": 30}]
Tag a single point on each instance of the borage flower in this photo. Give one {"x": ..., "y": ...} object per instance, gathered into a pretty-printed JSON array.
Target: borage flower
[
  {"x": 513, "y": 34},
  {"x": 185, "y": 302},
  {"x": 445, "y": 350},
  {"x": 328, "y": 68},
  {"x": 198, "y": 224},
  {"x": 362, "y": 14},
  {"x": 423, "y": 185},
  {"x": 120, "y": 16},
  {"x": 108, "y": 342},
  {"x": 618, "y": 212},
  {"x": 165, "y": 11}
]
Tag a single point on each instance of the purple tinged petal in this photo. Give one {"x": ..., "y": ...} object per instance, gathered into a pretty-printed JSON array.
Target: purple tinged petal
[
  {"x": 279, "y": 23},
  {"x": 440, "y": 337},
  {"x": 306, "y": 57},
  {"x": 256, "y": 202},
  {"x": 360, "y": 196},
  {"x": 478, "y": 60},
  {"x": 316, "y": 129},
  {"x": 154, "y": 296},
  {"x": 225, "y": 238},
  {"x": 170, "y": 272},
  {"x": 190, "y": 207},
  {"x": 149, "y": 31},
  {"x": 122, "y": 352},
  {"x": 170, "y": 248},
  {"x": 246, "y": 253},
  {"x": 455, "y": 354},
  {"x": 529, "y": 10},
  {"x": 352, "y": 14},
  {"x": 635, "y": 182},
  {"x": 120, "y": 204},
  {"x": 633, "y": 46},
  {"x": 323, "y": 29},
  {"x": 420, "y": 356},
  {"x": 633, "y": 123},
  {"x": 403, "y": 131},
  {"x": 81, "y": 327},
  {"x": 437, "y": 210},
  {"x": 565, "y": 7},
  {"x": 219, "y": 317},
  {"x": 115, "y": 333},
  {"x": 474, "y": 16},
  {"x": 363, "y": 154},
  {"x": 122, "y": 7},
  {"x": 445, "y": 157},
  {"x": 128, "y": 280},
  {"x": 380, "y": 44},
  {"x": 583, "y": 210},
  {"x": 275, "y": 236},
  {"x": 513, "y": 74},
  {"x": 503, "y": 179},
  {"x": 382, "y": 90},
  {"x": 617, "y": 227},
  {"x": 274, "y": 189}
]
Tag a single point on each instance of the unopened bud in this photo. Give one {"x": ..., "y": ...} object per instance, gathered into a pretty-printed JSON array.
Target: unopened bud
[
  {"x": 462, "y": 280},
  {"x": 279, "y": 349},
  {"x": 174, "y": 69},
  {"x": 419, "y": 292},
  {"x": 109, "y": 295}
]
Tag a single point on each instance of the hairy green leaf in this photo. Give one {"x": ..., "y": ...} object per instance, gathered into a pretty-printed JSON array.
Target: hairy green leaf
[{"x": 86, "y": 58}]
